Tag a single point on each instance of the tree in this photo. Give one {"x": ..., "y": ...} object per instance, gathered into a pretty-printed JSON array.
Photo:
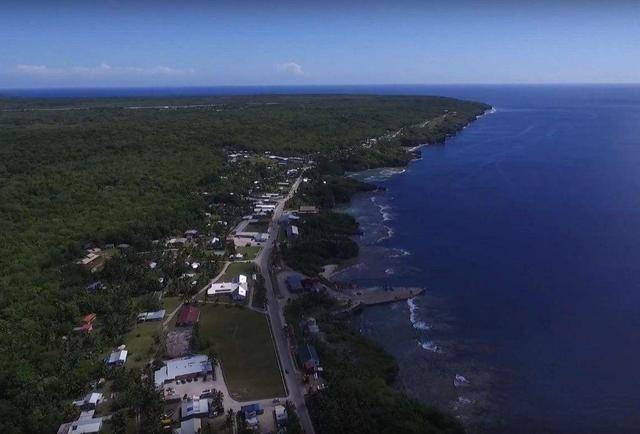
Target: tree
[{"x": 119, "y": 422}]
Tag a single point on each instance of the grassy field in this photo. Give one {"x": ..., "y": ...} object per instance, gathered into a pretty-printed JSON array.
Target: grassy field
[
  {"x": 257, "y": 227},
  {"x": 141, "y": 343},
  {"x": 243, "y": 341},
  {"x": 236, "y": 268},
  {"x": 249, "y": 252},
  {"x": 170, "y": 303}
]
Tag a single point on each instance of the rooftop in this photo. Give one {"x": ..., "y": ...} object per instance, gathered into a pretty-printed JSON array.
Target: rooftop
[
  {"x": 189, "y": 315},
  {"x": 119, "y": 356},
  {"x": 222, "y": 288},
  {"x": 181, "y": 367},
  {"x": 194, "y": 407}
]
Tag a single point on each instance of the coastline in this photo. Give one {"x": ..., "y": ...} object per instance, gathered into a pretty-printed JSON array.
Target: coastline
[
  {"x": 370, "y": 176},
  {"x": 451, "y": 400}
]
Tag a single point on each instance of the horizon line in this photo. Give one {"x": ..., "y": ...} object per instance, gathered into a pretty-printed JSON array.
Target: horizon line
[{"x": 298, "y": 85}]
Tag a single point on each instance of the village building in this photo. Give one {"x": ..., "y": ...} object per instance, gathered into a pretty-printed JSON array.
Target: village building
[
  {"x": 308, "y": 358},
  {"x": 191, "y": 233},
  {"x": 307, "y": 210},
  {"x": 310, "y": 325},
  {"x": 152, "y": 316},
  {"x": 280, "y": 415},
  {"x": 194, "y": 408},
  {"x": 238, "y": 290},
  {"x": 292, "y": 232},
  {"x": 183, "y": 368},
  {"x": 89, "y": 402},
  {"x": 261, "y": 237},
  {"x": 86, "y": 325},
  {"x": 85, "y": 424},
  {"x": 93, "y": 261},
  {"x": 189, "y": 316},
  {"x": 175, "y": 242},
  {"x": 288, "y": 218},
  {"x": 117, "y": 358},
  {"x": 214, "y": 243},
  {"x": 251, "y": 410},
  {"x": 191, "y": 426},
  {"x": 312, "y": 284}
]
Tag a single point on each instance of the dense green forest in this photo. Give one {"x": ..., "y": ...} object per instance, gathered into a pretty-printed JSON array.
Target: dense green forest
[
  {"x": 324, "y": 239},
  {"x": 102, "y": 171}
]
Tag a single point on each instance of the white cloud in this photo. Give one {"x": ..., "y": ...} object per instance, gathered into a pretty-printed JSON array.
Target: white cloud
[
  {"x": 291, "y": 68},
  {"x": 102, "y": 70},
  {"x": 37, "y": 70}
]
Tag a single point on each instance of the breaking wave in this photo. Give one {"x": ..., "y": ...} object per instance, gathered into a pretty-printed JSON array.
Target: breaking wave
[
  {"x": 413, "y": 316},
  {"x": 429, "y": 346}
]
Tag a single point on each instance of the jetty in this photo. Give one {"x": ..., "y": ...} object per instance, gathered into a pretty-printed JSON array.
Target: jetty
[{"x": 377, "y": 295}]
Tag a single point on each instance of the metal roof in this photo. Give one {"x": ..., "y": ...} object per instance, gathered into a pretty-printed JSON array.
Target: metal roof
[{"x": 182, "y": 366}]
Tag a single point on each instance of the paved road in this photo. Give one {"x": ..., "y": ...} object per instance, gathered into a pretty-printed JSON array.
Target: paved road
[{"x": 274, "y": 308}]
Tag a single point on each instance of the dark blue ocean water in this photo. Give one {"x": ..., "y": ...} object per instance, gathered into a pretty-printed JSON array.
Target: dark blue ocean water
[{"x": 525, "y": 228}]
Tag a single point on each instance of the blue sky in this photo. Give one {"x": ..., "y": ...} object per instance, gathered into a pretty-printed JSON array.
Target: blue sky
[{"x": 199, "y": 43}]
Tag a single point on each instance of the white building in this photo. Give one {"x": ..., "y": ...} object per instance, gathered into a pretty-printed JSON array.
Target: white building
[
  {"x": 90, "y": 401},
  {"x": 238, "y": 290},
  {"x": 183, "y": 367},
  {"x": 194, "y": 408},
  {"x": 280, "y": 415},
  {"x": 117, "y": 358},
  {"x": 261, "y": 237},
  {"x": 85, "y": 424},
  {"x": 190, "y": 426},
  {"x": 151, "y": 316},
  {"x": 222, "y": 288}
]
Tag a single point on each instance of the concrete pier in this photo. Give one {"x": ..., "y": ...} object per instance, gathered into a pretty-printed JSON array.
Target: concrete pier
[{"x": 377, "y": 294}]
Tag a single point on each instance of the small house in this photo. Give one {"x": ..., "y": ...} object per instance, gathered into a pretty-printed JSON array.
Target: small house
[
  {"x": 307, "y": 210},
  {"x": 310, "y": 325},
  {"x": 191, "y": 426},
  {"x": 312, "y": 285},
  {"x": 158, "y": 315},
  {"x": 292, "y": 232},
  {"x": 117, "y": 358},
  {"x": 86, "y": 325},
  {"x": 85, "y": 424},
  {"x": 280, "y": 415},
  {"x": 308, "y": 358},
  {"x": 89, "y": 402},
  {"x": 251, "y": 410},
  {"x": 191, "y": 234},
  {"x": 261, "y": 237}
]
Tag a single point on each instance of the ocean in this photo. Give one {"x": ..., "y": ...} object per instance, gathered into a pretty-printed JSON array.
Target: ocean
[{"x": 525, "y": 230}]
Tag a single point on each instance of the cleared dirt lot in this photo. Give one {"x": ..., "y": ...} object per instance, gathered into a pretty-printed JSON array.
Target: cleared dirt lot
[{"x": 178, "y": 342}]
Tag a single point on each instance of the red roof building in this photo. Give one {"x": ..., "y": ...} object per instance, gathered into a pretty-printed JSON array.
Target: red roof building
[
  {"x": 87, "y": 323},
  {"x": 189, "y": 315}
]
